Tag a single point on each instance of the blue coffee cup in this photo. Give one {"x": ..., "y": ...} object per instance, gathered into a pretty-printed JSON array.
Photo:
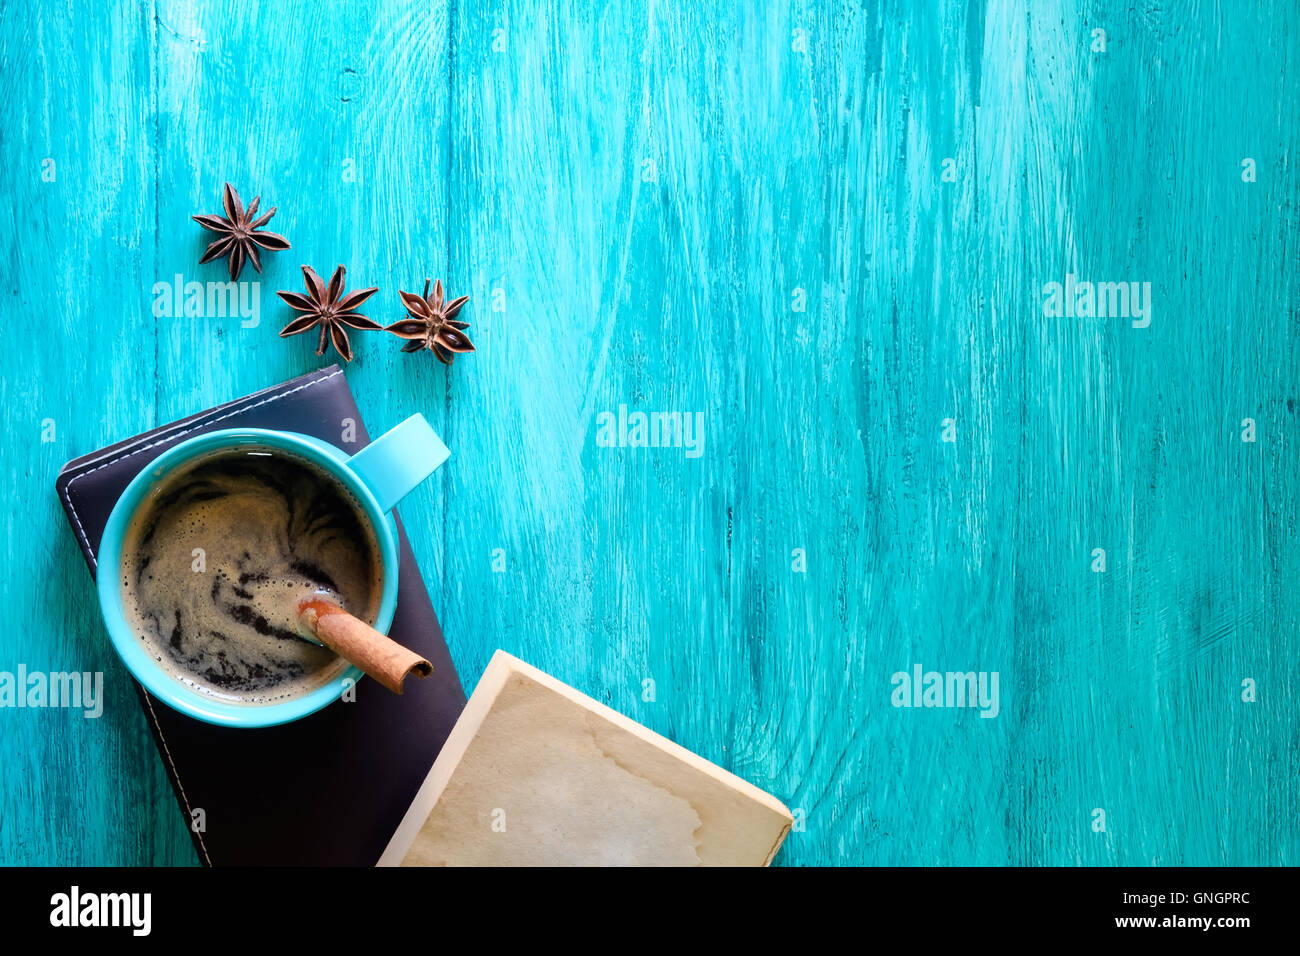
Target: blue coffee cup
[{"x": 378, "y": 476}]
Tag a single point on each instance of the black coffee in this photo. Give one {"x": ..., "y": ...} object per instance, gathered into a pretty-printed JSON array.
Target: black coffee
[{"x": 217, "y": 558}]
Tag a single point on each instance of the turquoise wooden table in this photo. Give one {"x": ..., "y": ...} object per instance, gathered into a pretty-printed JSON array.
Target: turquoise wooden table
[{"x": 826, "y": 233}]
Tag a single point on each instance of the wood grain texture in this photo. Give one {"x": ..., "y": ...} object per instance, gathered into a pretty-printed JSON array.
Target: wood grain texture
[{"x": 740, "y": 213}]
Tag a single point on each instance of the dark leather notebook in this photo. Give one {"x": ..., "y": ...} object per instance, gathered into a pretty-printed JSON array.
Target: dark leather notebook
[{"x": 329, "y": 789}]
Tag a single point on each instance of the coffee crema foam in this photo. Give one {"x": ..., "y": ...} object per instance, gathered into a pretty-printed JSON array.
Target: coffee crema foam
[{"x": 217, "y": 558}]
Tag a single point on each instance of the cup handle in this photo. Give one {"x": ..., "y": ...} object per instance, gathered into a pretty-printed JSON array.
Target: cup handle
[{"x": 398, "y": 460}]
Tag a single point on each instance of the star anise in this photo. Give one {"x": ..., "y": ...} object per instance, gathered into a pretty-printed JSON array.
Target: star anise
[
  {"x": 430, "y": 323},
  {"x": 329, "y": 309},
  {"x": 240, "y": 233}
]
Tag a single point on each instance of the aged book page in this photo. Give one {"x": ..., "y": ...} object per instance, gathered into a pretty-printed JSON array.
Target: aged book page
[{"x": 537, "y": 774}]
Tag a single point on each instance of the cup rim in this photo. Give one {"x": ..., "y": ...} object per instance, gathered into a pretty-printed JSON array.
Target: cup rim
[{"x": 152, "y": 674}]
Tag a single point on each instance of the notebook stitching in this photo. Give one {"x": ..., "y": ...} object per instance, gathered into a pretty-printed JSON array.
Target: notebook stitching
[
  {"x": 180, "y": 786},
  {"x": 269, "y": 392},
  {"x": 94, "y": 559},
  {"x": 67, "y": 489}
]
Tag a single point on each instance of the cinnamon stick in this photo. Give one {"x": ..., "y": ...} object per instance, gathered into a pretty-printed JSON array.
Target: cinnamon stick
[{"x": 356, "y": 641}]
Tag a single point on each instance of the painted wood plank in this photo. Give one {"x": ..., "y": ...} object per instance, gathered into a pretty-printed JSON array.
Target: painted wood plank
[
  {"x": 342, "y": 129},
  {"x": 77, "y": 250}
]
